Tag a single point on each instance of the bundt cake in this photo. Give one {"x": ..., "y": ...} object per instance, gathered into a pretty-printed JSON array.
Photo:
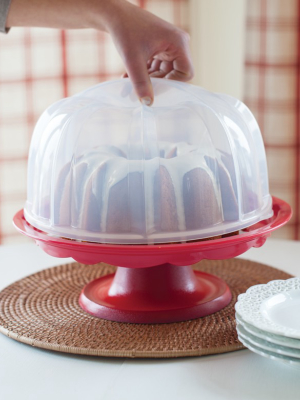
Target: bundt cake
[{"x": 178, "y": 191}]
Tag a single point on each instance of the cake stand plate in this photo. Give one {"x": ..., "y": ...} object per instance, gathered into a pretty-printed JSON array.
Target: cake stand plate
[{"x": 155, "y": 283}]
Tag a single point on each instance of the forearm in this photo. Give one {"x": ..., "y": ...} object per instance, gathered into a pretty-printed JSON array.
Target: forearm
[
  {"x": 64, "y": 14},
  {"x": 142, "y": 39}
]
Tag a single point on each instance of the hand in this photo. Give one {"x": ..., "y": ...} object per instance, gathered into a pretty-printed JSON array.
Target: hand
[{"x": 150, "y": 46}]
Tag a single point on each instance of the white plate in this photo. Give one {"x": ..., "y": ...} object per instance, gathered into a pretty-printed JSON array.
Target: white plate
[
  {"x": 272, "y": 307},
  {"x": 270, "y": 337},
  {"x": 265, "y": 345},
  {"x": 283, "y": 309},
  {"x": 268, "y": 354}
]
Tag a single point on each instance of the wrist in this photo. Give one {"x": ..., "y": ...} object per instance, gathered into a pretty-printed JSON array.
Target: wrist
[{"x": 105, "y": 15}]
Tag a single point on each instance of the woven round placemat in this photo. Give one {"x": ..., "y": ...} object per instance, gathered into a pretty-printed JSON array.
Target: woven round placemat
[{"x": 42, "y": 310}]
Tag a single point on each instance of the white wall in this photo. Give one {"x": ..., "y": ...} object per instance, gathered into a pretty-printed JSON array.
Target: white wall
[{"x": 218, "y": 42}]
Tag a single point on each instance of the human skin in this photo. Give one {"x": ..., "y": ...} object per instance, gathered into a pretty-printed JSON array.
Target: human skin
[{"x": 148, "y": 45}]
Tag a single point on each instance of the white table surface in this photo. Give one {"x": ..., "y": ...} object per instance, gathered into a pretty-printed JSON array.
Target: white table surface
[{"x": 32, "y": 373}]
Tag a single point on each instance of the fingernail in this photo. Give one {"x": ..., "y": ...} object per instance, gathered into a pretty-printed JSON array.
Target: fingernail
[{"x": 147, "y": 101}]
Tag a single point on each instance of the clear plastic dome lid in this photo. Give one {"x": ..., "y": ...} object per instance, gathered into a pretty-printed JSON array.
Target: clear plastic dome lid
[{"x": 104, "y": 168}]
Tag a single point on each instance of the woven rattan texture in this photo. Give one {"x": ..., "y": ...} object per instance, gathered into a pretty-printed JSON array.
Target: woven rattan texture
[{"x": 42, "y": 310}]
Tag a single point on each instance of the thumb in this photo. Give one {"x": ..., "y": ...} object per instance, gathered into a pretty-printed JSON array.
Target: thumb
[{"x": 138, "y": 74}]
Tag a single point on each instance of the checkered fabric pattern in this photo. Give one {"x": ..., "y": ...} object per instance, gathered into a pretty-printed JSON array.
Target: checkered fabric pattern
[
  {"x": 272, "y": 87},
  {"x": 39, "y": 67}
]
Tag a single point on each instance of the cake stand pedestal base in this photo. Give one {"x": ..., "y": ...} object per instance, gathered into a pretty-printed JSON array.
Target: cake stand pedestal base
[{"x": 160, "y": 294}]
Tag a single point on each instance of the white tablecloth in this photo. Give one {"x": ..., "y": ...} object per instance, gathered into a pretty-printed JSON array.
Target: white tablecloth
[{"x": 32, "y": 373}]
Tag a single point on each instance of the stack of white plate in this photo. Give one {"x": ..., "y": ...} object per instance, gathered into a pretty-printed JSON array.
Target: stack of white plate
[{"x": 268, "y": 320}]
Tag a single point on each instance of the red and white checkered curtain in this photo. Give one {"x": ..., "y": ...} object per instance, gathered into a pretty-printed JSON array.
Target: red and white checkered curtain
[
  {"x": 39, "y": 67},
  {"x": 272, "y": 88}
]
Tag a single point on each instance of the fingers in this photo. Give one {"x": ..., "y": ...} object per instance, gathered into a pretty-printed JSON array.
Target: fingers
[
  {"x": 175, "y": 62},
  {"x": 155, "y": 65},
  {"x": 162, "y": 69},
  {"x": 182, "y": 70},
  {"x": 138, "y": 73},
  {"x": 178, "y": 55},
  {"x": 149, "y": 62}
]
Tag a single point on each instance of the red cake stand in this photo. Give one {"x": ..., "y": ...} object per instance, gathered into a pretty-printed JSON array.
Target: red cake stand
[{"x": 155, "y": 283}]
